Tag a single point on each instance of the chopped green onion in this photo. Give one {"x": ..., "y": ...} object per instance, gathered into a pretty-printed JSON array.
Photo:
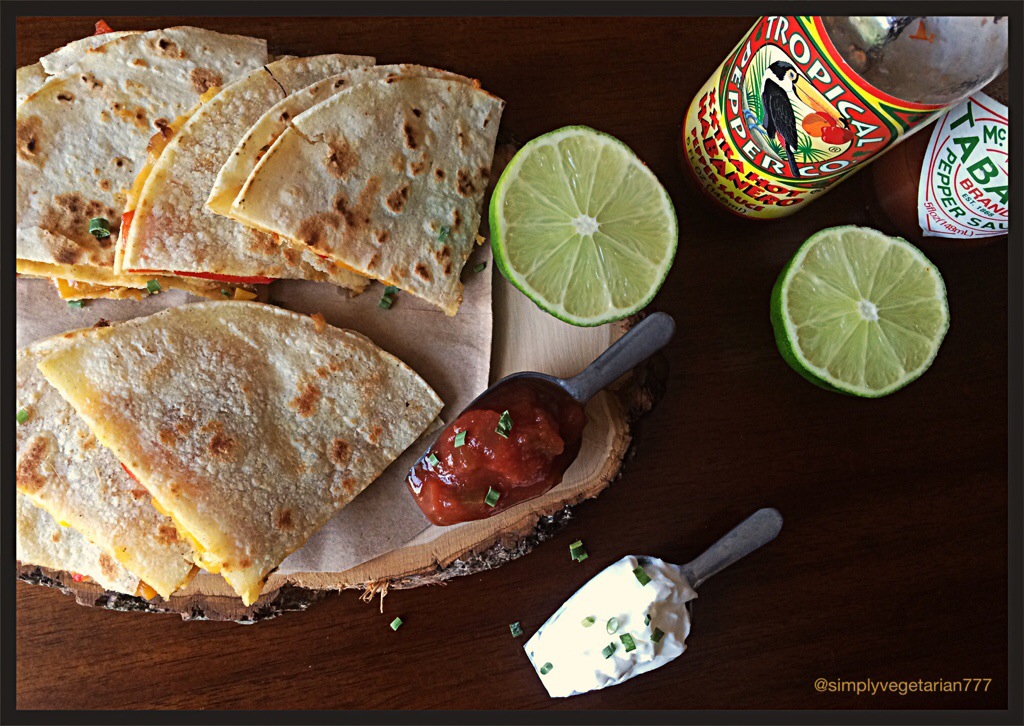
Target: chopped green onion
[
  {"x": 577, "y": 552},
  {"x": 628, "y": 642},
  {"x": 647, "y": 619},
  {"x": 460, "y": 439},
  {"x": 481, "y": 267},
  {"x": 388, "y": 297},
  {"x": 641, "y": 575},
  {"x": 657, "y": 635},
  {"x": 76, "y": 304},
  {"x": 432, "y": 459},
  {"x": 492, "y": 497},
  {"x": 22, "y": 416},
  {"x": 588, "y": 621},
  {"x": 612, "y": 625},
  {"x": 545, "y": 669},
  {"x": 153, "y": 286},
  {"x": 445, "y": 231},
  {"x": 608, "y": 650},
  {"x": 516, "y": 630},
  {"x": 225, "y": 293},
  {"x": 504, "y": 425},
  {"x": 396, "y": 623},
  {"x": 99, "y": 227}
]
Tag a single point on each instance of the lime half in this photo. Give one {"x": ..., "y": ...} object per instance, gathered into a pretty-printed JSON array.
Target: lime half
[
  {"x": 858, "y": 312},
  {"x": 582, "y": 227}
]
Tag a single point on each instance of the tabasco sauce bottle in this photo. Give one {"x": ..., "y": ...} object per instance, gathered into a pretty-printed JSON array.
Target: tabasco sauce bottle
[{"x": 802, "y": 102}]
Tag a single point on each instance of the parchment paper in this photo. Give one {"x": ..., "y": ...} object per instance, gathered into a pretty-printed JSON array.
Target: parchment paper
[{"x": 452, "y": 354}]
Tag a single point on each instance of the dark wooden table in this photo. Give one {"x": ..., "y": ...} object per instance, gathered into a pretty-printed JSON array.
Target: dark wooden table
[{"x": 892, "y": 563}]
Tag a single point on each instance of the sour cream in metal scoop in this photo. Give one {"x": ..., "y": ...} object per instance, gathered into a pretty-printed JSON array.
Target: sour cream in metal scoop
[{"x": 570, "y": 651}]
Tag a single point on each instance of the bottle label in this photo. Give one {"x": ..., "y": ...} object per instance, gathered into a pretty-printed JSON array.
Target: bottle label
[
  {"x": 784, "y": 118},
  {"x": 965, "y": 186}
]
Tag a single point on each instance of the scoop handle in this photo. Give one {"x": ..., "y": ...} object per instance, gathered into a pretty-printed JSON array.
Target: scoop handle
[
  {"x": 754, "y": 532},
  {"x": 641, "y": 342}
]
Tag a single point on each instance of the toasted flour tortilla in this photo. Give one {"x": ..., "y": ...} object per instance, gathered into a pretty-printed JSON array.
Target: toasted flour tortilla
[
  {"x": 64, "y": 470},
  {"x": 41, "y": 541},
  {"x": 82, "y": 137},
  {"x": 28, "y": 80},
  {"x": 249, "y": 424},
  {"x": 171, "y": 228},
  {"x": 247, "y": 153},
  {"x": 69, "y": 55},
  {"x": 386, "y": 178}
]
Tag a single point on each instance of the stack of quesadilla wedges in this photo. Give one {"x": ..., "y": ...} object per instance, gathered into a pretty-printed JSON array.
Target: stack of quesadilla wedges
[{"x": 220, "y": 433}]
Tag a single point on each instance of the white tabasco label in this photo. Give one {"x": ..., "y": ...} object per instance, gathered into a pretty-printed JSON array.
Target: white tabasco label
[
  {"x": 964, "y": 186},
  {"x": 785, "y": 118}
]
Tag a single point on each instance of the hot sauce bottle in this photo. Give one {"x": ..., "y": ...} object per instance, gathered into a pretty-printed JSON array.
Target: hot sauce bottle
[{"x": 804, "y": 101}]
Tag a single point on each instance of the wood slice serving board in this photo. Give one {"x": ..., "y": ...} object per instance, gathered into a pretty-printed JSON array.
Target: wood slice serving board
[{"x": 525, "y": 338}]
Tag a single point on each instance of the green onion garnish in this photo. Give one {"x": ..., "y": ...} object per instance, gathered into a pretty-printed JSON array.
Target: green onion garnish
[
  {"x": 153, "y": 286},
  {"x": 627, "y": 642},
  {"x": 388, "y": 297},
  {"x": 443, "y": 235},
  {"x": 432, "y": 459},
  {"x": 76, "y": 304},
  {"x": 460, "y": 439},
  {"x": 516, "y": 630},
  {"x": 99, "y": 228},
  {"x": 647, "y": 619},
  {"x": 577, "y": 552},
  {"x": 504, "y": 425},
  {"x": 225, "y": 293},
  {"x": 641, "y": 575},
  {"x": 481, "y": 267},
  {"x": 588, "y": 621},
  {"x": 545, "y": 669},
  {"x": 612, "y": 625},
  {"x": 396, "y": 623},
  {"x": 492, "y": 497},
  {"x": 22, "y": 416},
  {"x": 657, "y": 635},
  {"x": 608, "y": 650}
]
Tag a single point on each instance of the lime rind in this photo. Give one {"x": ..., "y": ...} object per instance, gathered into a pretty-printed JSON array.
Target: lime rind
[
  {"x": 608, "y": 185},
  {"x": 909, "y": 299}
]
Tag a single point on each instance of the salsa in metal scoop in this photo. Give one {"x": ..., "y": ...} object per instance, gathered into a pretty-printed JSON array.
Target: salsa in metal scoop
[{"x": 516, "y": 440}]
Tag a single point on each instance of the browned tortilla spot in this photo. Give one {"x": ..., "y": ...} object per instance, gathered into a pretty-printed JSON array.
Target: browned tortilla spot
[
  {"x": 381, "y": 236},
  {"x": 138, "y": 494},
  {"x": 261, "y": 242},
  {"x": 56, "y": 536},
  {"x": 184, "y": 426},
  {"x": 167, "y": 437},
  {"x": 285, "y": 115},
  {"x": 417, "y": 167},
  {"x": 319, "y": 324},
  {"x": 422, "y": 271},
  {"x": 283, "y": 519},
  {"x": 456, "y": 220},
  {"x": 90, "y": 80},
  {"x": 339, "y": 83},
  {"x": 291, "y": 256},
  {"x": 487, "y": 120},
  {"x": 374, "y": 435},
  {"x": 439, "y": 174},
  {"x": 203, "y": 80},
  {"x": 108, "y": 566},
  {"x": 447, "y": 268},
  {"x": 221, "y": 445},
  {"x": 340, "y": 453},
  {"x": 313, "y": 230},
  {"x": 397, "y": 273},
  {"x": 442, "y": 254},
  {"x": 68, "y": 216},
  {"x": 141, "y": 62},
  {"x": 170, "y": 49},
  {"x": 485, "y": 171},
  {"x": 29, "y": 477},
  {"x": 27, "y": 139},
  {"x": 104, "y": 184},
  {"x": 357, "y": 218},
  {"x": 66, "y": 97},
  {"x": 410, "y": 136},
  {"x": 464, "y": 185},
  {"x": 341, "y": 159},
  {"x": 120, "y": 161},
  {"x": 104, "y": 116},
  {"x": 166, "y": 534},
  {"x": 374, "y": 261},
  {"x": 396, "y": 200},
  {"x": 305, "y": 402}
]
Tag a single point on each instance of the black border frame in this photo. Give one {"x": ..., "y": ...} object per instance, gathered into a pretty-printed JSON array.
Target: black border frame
[{"x": 1014, "y": 714}]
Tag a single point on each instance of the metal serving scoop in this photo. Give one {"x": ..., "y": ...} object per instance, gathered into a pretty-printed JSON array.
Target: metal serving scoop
[
  {"x": 638, "y": 344},
  {"x": 752, "y": 533}
]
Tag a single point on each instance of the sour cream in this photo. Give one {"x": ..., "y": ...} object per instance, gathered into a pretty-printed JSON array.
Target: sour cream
[{"x": 576, "y": 653}]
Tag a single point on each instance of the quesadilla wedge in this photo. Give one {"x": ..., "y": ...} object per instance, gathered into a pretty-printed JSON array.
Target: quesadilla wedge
[
  {"x": 82, "y": 136},
  {"x": 43, "y": 542},
  {"x": 28, "y": 80},
  {"x": 247, "y": 153},
  {"x": 62, "y": 469},
  {"x": 249, "y": 424},
  {"x": 386, "y": 178},
  {"x": 171, "y": 229}
]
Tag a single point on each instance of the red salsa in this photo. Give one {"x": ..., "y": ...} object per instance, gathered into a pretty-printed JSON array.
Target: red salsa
[{"x": 512, "y": 445}]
